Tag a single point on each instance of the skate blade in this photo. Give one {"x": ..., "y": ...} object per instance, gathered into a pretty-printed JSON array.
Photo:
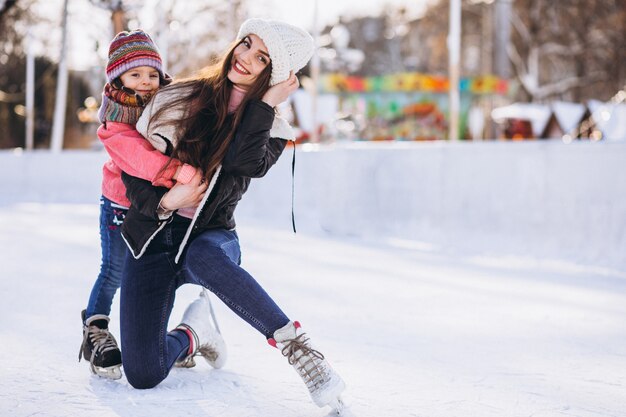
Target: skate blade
[
  {"x": 112, "y": 372},
  {"x": 188, "y": 362},
  {"x": 338, "y": 407}
]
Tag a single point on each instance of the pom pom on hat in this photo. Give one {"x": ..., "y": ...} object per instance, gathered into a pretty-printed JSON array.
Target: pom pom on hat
[
  {"x": 290, "y": 47},
  {"x": 130, "y": 50}
]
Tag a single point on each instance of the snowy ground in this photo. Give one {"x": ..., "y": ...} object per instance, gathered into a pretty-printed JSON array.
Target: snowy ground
[{"x": 413, "y": 333}]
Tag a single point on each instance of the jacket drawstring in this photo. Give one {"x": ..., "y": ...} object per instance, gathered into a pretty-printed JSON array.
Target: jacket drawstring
[{"x": 293, "y": 170}]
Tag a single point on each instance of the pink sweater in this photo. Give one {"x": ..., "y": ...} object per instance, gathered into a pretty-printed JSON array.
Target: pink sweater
[{"x": 132, "y": 153}]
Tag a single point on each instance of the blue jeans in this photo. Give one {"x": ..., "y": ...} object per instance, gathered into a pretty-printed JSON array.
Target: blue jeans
[
  {"x": 113, "y": 256},
  {"x": 149, "y": 288}
]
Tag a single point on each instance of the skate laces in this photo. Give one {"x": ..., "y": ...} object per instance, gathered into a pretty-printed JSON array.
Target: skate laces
[
  {"x": 101, "y": 339},
  {"x": 307, "y": 361},
  {"x": 208, "y": 351}
]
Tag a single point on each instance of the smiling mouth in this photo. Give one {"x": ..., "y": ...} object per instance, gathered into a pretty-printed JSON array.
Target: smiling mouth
[{"x": 240, "y": 69}]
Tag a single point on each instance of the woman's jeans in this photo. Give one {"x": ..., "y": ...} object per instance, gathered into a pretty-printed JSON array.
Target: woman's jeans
[
  {"x": 113, "y": 256},
  {"x": 148, "y": 291}
]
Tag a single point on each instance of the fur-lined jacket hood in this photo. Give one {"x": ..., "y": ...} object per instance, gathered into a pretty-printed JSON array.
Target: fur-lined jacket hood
[{"x": 162, "y": 131}]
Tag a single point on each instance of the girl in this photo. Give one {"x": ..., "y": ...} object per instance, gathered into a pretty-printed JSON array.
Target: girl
[
  {"x": 222, "y": 120},
  {"x": 134, "y": 73}
]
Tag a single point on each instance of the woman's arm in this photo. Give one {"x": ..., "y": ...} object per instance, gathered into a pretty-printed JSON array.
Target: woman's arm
[
  {"x": 133, "y": 154},
  {"x": 252, "y": 152},
  {"x": 147, "y": 199}
]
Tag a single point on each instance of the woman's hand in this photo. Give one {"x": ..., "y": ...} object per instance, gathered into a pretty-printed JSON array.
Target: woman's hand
[
  {"x": 185, "y": 195},
  {"x": 279, "y": 92}
]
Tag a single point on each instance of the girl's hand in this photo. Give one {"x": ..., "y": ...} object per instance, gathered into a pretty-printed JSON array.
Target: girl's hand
[
  {"x": 279, "y": 92},
  {"x": 185, "y": 195}
]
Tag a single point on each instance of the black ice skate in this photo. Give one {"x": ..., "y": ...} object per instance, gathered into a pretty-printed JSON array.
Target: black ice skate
[{"x": 99, "y": 347}]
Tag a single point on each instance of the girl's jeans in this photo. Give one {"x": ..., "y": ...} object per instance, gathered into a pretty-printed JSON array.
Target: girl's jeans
[
  {"x": 113, "y": 256},
  {"x": 148, "y": 291}
]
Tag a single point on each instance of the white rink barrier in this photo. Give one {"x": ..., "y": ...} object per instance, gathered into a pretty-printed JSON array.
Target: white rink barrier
[
  {"x": 545, "y": 200},
  {"x": 42, "y": 176}
]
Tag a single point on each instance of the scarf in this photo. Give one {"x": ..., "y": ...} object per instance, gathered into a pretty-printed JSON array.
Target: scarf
[{"x": 121, "y": 105}]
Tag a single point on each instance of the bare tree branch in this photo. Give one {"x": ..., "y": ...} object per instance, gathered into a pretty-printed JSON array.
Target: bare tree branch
[
  {"x": 520, "y": 27},
  {"x": 561, "y": 86},
  {"x": 554, "y": 48}
]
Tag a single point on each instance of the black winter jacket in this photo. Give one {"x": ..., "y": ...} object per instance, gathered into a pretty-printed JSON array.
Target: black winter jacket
[{"x": 250, "y": 154}]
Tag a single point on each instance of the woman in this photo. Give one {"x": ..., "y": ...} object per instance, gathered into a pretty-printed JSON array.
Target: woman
[{"x": 222, "y": 121}]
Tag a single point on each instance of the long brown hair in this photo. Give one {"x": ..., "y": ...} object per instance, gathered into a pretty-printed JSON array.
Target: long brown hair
[{"x": 207, "y": 127}]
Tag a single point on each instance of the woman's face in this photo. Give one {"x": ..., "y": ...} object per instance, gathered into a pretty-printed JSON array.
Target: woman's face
[{"x": 250, "y": 58}]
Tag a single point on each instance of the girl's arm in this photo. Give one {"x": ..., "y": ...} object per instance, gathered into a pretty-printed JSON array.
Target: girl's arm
[
  {"x": 143, "y": 196},
  {"x": 133, "y": 154}
]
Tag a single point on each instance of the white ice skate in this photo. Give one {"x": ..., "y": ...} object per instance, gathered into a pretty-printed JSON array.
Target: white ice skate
[
  {"x": 324, "y": 384},
  {"x": 205, "y": 339}
]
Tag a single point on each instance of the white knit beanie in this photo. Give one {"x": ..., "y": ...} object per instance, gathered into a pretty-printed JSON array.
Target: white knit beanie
[{"x": 290, "y": 47}]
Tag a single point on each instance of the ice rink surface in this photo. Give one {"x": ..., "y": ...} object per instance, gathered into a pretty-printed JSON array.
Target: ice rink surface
[{"x": 413, "y": 332}]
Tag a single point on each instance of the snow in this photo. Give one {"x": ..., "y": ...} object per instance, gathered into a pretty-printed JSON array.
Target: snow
[
  {"x": 569, "y": 115},
  {"x": 537, "y": 114},
  {"x": 610, "y": 119},
  {"x": 413, "y": 330}
]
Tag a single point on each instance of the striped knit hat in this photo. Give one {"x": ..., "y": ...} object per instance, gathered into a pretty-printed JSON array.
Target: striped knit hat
[{"x": 130, "y": 50}]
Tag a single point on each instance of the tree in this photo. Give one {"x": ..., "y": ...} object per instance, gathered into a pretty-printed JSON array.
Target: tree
[
  {"x": 12, "y": 71},
  {"x": 194, "y": 34},
  {"x": 14, "y": 24},
  {"x": 570, "y": 49},
  {"x": 117, "y": 8},
  {"x": 5, "y": 6}
]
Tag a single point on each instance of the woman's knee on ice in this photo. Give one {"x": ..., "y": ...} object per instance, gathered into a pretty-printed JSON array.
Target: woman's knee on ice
[{"x": 143, "y": 377}]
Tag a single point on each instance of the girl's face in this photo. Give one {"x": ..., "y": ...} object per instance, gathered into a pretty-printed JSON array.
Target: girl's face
[
  {"x": 250, "y": 58},
  {"x": 144, "y": 80}
]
